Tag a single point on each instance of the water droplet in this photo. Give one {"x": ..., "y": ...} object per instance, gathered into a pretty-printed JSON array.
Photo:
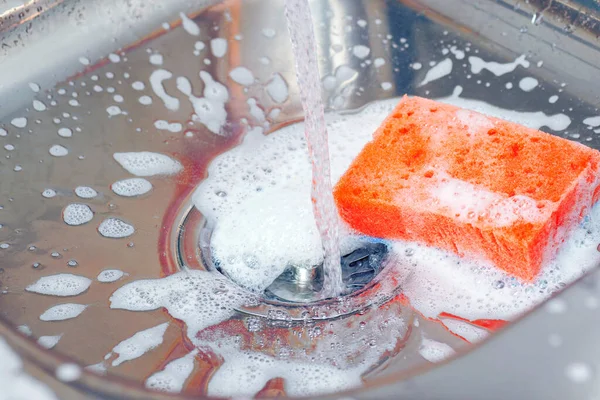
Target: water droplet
[
  {"x": 498, "y": 284},
  {"x": 72, "y": 263},
  {"x": 55, "y": 254}
]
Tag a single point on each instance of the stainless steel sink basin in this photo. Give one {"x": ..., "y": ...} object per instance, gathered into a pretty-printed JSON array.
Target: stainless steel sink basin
[{"x": 67, "y": 73}]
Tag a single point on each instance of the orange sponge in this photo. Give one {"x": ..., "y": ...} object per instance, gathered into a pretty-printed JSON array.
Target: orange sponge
[{"x": 468, "y": 183}]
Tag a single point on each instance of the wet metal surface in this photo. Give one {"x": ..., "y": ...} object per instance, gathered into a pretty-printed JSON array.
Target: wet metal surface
[{"x": 532, "y": 359}]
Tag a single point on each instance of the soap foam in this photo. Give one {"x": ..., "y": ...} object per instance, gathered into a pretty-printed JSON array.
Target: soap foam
[
  {"x": 15, "y": 383},
  {"x": 535, "y": 120},
  {"x": 434, "y": 351},
  {"x": 58, "y": 151},
  {"x": 592, "y": 121},
  {"x": 68, "y": 372},
  {"x": 62, "y": 312},
  {"x": 246, "y": 372},
  {"x": 172, "y": 378},
  {"x": 156, "y": 59},
  {"x": 132, "y": 187},
  {"x": 277, "y": 89},
  {"x": 498, "y": 69},
  {"x": 242, "y": 75},
  {"x": 20, "y": 122},
  {"x": 168, "y": 126},
  {"x": 189, "y": 25},
  {"x": 38, "y": 105},
  {"x": 115, "y": 228},
  {"x": 438, "y": 71},
  {"x": 266, "y": 177},
  {"x": 465, "y": 330},
  {"x": 361, "y": 51},
  {"x": 77, "y": 214},
  {"x": 218, "y": 47},
  {"x": 110, "y": 275},
  {"x": 65, "y": 132},
  {"x": 145, "y": 163},
  {"x": 528, "y": 83},
  {"x": 49, "y": 342},
  {"x": 210, "y": 109},
  {"x": 139, "y": 344},
  {"x": 187, "y": 295},
  {"x": 156, "y": 82},
  {"x": 436, "y": 281},
  {"x": 85, "y": 192},
  {"x": 60, "y": 285}
]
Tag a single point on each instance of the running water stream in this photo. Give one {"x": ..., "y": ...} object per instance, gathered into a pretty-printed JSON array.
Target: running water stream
[{"x": 300, "y": 26}]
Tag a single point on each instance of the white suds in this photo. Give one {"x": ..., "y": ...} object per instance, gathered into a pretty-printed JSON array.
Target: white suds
[
  {"x": 361, "y": 51},
  {"x": 145, "y": 163},
  {"x": 578, "y": 372},
  {"x": 85, "y": 192},
  {"x": 535, "y": 120},
  {"x": 168, "y": 126},
  {"x": 592, "y": 121},
  {"x": 478, "y": 65},
  {"x": 65, "y": 132},
  {"x": 139, "y": 344},
  {"x": 58, "y": 151},
  {"x": 242, "y": 75},
  {"x": 172, "y": 378},
  {"x": 131, "y": 187},
  {"x": 76, "y": 214},
  {"x": 156, "y": 82},
  {"x": 434, "y": 351},
  {"x": 156, "y": 59},
  {"x": 115, "y": 228},
  {"x": 527, "y": 84},
  {"x": 62, "y": 312},
  {"x": 15, "y": 383},
  {"x": 440, "y": 70},
  {"x": 110, "y": 275},
  {"x": 38, "y": 105},
  {"x": 463, "y": 329},
  {"x": 68, "y": 372},
  {"x": 137, "y": 85},
  {"x": 48, "y": 193},
  {"x": 218, "y": 47},
  {"x": 277, "y": 89},
  {"x": 60, "y": 285},
  {"x": 48, "y": 342},
  {"x": 145, "y": 100},
  {"x": 210, "y": 109},
  {"x": 189, "y": 25},
  {"x": 193, "y": 288}
]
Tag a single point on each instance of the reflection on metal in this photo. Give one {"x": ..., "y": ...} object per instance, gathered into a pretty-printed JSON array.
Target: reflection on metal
[
  {"x": 24, "y": 13},
  {"x": 518, "y": 363}
]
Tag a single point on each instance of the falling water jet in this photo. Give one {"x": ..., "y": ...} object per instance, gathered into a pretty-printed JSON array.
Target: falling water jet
[{"x": 300, "y": 26}]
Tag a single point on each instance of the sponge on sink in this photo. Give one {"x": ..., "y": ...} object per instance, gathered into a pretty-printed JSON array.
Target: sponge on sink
[{"x": 468, "y": 183}]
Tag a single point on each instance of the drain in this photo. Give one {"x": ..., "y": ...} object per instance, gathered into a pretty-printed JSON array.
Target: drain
[
  {"x": 303, "y": 285},
  {"x": 295, "y": 295}
]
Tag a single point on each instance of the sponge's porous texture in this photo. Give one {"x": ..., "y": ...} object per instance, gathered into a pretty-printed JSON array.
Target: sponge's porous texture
[{"x": 469, "y": 183}]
